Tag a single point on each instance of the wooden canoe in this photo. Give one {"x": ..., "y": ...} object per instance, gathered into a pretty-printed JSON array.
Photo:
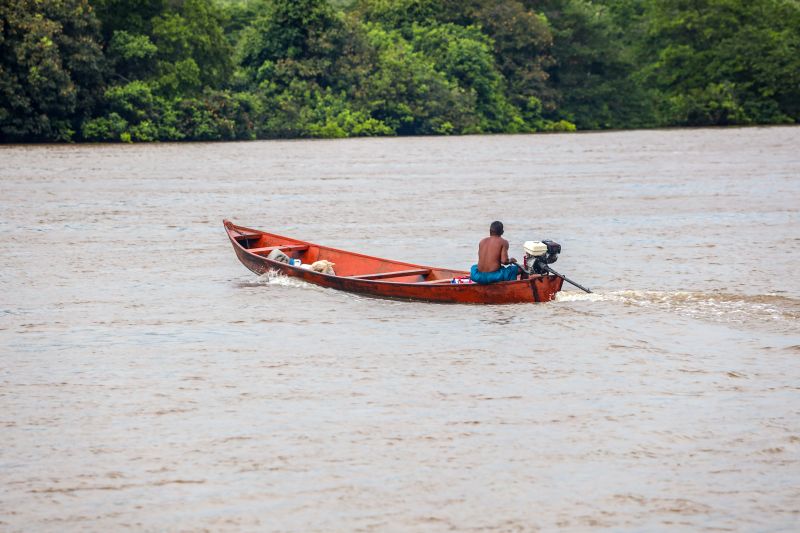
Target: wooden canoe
[{"x": 381, "y": 278}]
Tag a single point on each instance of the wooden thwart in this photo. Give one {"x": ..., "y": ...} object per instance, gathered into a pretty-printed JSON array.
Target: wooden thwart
[
  {"x": 247, "y": 236},
  {"x": 282, "y": 248},
  {"x": 395, "y": 274}
]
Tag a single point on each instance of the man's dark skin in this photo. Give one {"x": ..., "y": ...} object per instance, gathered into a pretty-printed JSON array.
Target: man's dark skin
[{"x": 493, "y": 250}]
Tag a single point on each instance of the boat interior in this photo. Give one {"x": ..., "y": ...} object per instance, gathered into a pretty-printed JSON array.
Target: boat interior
[{"x": 347, "y": 264}]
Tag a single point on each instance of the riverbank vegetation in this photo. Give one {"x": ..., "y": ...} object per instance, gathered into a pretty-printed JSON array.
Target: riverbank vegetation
[{"x": 148, "y": 70}]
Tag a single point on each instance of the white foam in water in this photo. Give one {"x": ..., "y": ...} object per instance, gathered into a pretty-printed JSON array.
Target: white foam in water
[
  {"x": 274, "y": 277},
  {"x": 573, "y": 296},
  {"x": 721, "y": 307}
]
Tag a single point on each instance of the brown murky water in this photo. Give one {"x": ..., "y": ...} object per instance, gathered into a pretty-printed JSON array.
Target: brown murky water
[{"x": 148, "y": 381}]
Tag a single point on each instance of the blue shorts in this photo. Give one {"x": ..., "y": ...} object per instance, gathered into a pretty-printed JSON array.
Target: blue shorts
[{"x": 508, "y": 273}]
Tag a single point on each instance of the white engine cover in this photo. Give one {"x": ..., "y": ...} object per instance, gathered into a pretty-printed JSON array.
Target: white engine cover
[{"x": 535, "y": 248}]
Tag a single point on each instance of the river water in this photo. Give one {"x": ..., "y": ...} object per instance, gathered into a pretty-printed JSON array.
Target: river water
[{"x": 148, "y": 381}]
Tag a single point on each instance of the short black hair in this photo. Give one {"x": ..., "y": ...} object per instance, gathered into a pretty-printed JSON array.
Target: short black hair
[{"x": 496, "y": 228}]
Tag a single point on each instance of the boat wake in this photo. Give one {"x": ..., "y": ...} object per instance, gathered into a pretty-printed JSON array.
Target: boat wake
[
  {"x": 277, "y": 279},
  {"x": 716, "y": 306},
  {"x": 273, "y": 277}
]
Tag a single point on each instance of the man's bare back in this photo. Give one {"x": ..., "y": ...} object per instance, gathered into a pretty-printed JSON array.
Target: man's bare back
[{"x": 492, "y": 252}]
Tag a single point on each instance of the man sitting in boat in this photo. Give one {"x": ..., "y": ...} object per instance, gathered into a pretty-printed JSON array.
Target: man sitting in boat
[{"x": 493, "y": 262}]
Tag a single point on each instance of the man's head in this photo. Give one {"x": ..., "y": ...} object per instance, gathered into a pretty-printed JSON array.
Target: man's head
[{"x": 496, "y": 228}]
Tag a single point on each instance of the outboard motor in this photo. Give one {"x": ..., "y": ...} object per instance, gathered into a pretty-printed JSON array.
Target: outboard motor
[{"x": 539, "y": 254}]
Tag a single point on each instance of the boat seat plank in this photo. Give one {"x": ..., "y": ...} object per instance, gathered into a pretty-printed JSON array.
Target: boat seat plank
[
  {"x": 433, "y": 281},
  {"x": 395, "y": 274},
  {"x": 247, "y": 236},
  {"x": 282, "y": 248}
]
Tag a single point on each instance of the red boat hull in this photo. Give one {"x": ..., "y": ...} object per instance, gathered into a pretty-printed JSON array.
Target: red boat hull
[{"x": 390, "y": 279}]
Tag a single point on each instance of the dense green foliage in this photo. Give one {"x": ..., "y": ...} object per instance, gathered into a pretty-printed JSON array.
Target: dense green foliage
[
  {"x": 51, "y": 68},
  {"x": 146, "y": 70}
]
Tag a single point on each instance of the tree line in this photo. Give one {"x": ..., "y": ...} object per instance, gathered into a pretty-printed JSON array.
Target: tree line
[{"x": 170, "y": 70}]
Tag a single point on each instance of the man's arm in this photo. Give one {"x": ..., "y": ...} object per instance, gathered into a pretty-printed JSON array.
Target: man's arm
[
  {"x": 504, "y": 253},
  {"x": 504, "y": 260}
]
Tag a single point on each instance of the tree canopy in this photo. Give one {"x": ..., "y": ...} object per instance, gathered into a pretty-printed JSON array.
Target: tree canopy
[{"x": 148, "y": 70}]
